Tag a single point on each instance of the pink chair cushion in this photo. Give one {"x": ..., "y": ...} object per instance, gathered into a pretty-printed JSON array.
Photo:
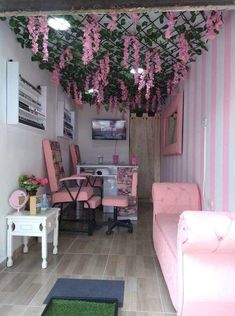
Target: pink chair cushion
[
  {"x": 168, "y": 225},
  {"x": 63, "y": 195},
  {"x": 118, "y": 201},
  {"x": 94, "y": 202}
]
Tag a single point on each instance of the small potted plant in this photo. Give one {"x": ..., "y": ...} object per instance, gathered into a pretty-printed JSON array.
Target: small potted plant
[{"x": 31, "y": 183}]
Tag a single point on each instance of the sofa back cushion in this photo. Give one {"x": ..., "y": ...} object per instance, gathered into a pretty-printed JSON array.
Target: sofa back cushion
[{"x": 175, "y": 197}]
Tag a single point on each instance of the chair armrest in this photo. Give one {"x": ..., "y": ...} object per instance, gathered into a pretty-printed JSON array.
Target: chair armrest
[
  {"x": 175, "y": 197},
  {"x": 206, "y": 231},
  {"x": 73, "y": 178}
]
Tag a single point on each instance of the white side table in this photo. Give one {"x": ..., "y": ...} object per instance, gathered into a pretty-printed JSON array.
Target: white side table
[{"x": 39, "y": 225}]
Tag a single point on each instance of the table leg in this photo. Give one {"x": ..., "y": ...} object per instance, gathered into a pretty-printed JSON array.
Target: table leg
[
  {"x": 44, "y": 248},
  {"x": 25, "y": 249},
  {"x": 55, "y": 235},
  {"x": 9, "y": 244}
]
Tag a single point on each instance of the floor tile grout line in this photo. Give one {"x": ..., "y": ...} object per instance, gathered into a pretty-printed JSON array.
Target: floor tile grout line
[{"x": 108, "y": 258}]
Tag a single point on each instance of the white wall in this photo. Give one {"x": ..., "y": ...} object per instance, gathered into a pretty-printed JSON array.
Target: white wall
[
  {"x": 21, "y": 146},
  {"x": 89, "y": 148}
]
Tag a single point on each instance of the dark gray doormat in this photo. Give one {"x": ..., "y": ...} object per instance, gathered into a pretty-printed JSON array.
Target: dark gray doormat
[{"x": 87, "y": 288}]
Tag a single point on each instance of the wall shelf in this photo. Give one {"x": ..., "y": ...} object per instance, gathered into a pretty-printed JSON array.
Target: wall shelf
[{"x": 26, "y": 104}]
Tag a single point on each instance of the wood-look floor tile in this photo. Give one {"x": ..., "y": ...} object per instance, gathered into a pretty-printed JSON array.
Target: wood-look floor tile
[
  {"x": 130, "y": 297},
  {"x": 130, "y": 266},
  {"x": 126, "y": 313},
  {"x": 31, "y": 262},
  {"x": 84, "y": 264},
  {"x": 33, "y": 311},
  {"x": 91, "y": 246},
  {"x": 148, "y": 296},
  {"x": 12, "y": 310},
  {"x": 144, "y": 247},
  {"x": 123, "y": 248}
]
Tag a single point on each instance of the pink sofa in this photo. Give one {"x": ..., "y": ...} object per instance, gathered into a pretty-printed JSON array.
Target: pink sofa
[{"x": 196, "y": 251}]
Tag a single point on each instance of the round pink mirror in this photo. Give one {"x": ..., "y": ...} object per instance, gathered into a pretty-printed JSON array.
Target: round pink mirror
[{"x": 18, "y": 199}]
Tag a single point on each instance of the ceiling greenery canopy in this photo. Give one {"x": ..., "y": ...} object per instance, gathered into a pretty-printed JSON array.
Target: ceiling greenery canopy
[{"x": 121, "y": 60}]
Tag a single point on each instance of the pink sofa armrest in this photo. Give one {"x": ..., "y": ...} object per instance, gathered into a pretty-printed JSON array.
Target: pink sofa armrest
[
  {"x": 206, "y": 263},
  {"x": 175, "y": 197},
  {"x": 207, "y": 231}
]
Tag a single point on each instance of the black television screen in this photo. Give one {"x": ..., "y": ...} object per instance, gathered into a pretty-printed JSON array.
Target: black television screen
[{"x": 109, "y": 129}]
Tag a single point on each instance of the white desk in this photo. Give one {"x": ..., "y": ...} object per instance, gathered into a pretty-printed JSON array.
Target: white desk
[
  {"x": 39, "y": 225},
  {"x": 117, "y": 181}
]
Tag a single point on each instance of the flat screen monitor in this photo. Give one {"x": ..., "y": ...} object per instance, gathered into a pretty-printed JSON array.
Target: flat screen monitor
[{"x": 109, "y": 129}]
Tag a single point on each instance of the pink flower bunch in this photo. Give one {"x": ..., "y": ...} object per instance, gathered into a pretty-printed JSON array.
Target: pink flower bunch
[
  {"x": 104, "y": 69},
  {"x": 31, "y": 183},
  {"x": 113, "y": 24},
  {"x": 56, "y": 75},
  {"x": 35, "y": 27},
  {"x": 158, "y": 67},
  {"x": 77, "y": 94},
  {"x": 153, "y": 104},
  {"x": 169, "y": 87},
  {"x": 213, "y": 22},
  {"x": 113, "y": 103},
  {"x": 43, "y": 29},
  {"x": 34, "y": 32},
  {"x": 142, "y": 82},
  {"x": 158, "y": 94},
  {"x": 65, "y": 57},
  {"x": 124, "y": 90},
  {"x": 87, "y": 83},
  {"x": 127, "y": 42},
  {"x": 91, "y": 40},
  {"x": 68, "y": 88},
  {"x": 136, "y": 48},
  {"x": 135, "y": 18},
  {"x": 183, "y": 46},
  {"x": 170, "y": 24},
  {"x": 138, "y": 100}
]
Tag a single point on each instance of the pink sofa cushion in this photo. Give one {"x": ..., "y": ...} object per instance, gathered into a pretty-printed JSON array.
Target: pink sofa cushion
[
  {"x": 63, "y": 195},
  {"x": 168, "y": 225}
]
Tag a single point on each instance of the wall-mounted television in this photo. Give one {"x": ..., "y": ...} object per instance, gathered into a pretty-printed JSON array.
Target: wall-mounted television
[{"x": 111, "y": 129}]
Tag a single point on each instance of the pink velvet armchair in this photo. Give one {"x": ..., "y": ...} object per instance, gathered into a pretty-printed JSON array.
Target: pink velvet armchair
[
  {"x": 62, "y": 190},
  {"x": 196, "y": 251}
]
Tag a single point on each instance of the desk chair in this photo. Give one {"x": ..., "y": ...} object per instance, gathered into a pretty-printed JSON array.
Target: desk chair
[
  {"x": 68, "y": 189},
  {"x": 118, "y": 202},
  {"x": 76, "y": 160}
]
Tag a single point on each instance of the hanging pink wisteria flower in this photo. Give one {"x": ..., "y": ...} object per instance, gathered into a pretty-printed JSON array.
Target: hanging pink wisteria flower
[
  {"x": 158, "y": 67},
  {"x": 65, "y": 57},
  {"x": 43, "y": 29},
  {"x": 91, "y": 40},
  {"x": 127, "y": 41},
  {"x": 34, "y": 32},
  {"x": 68, "y": 89},
  {"x": 153, "y": 104},
  {"x": 56, "y": 75},
  {"x": 138, "y": 100},
  {"x": 136, "y": 48},
  {"x": 213, "y": 22},
  {"x": 124, "y": 90},
  {"x": 135, "y": 18},
  {"x": 170, "y": 22},
  {"x": 183, "y": 49},
  {"x": 113, "y": 24},
  {"x": 77, "y": 94},
  {"x": 158, "y": 94}
]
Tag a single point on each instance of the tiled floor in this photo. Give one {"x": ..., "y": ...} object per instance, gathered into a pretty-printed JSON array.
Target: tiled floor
[{"x": 122, "y": 256}]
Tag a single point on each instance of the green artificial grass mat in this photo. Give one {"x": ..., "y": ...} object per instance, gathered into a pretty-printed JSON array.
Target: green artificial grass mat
[{"x": 62, "y": 307}]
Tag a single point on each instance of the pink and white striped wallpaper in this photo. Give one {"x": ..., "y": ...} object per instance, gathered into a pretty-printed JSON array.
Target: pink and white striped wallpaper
[{"x": 208, "y": 95}]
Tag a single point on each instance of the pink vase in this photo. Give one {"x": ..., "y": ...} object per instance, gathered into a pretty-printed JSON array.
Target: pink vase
[{"x": 115, "y": 159}]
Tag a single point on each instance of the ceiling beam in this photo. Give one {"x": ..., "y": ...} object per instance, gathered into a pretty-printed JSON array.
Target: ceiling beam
[{"x": 42, "y": 7}]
